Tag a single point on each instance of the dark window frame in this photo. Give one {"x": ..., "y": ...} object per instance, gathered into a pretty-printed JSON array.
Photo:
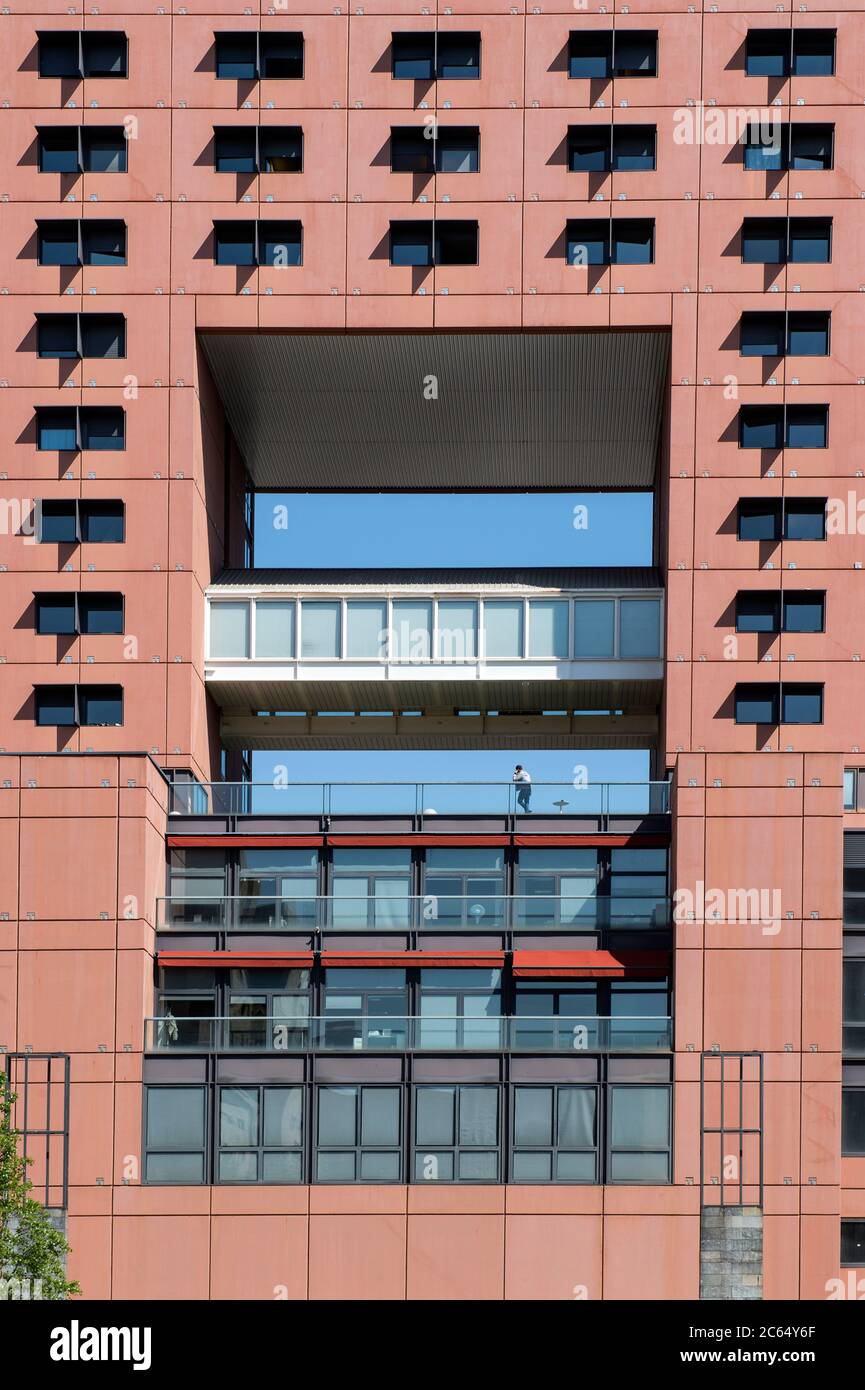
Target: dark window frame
[
  {"x": 261, "y": 1149},
  {"x": 606, "y": 39},
  {"x": 84, "y": 414},
  {"x": 456, "y": 1149},
  {"x": 85, "y": 40},
  {"x": 256, "y": 131},
  {"x": 79, "y": 599},
  {"x": 358, "y": 1148},
  {"x": 434, "y": 36},
  {"x": 787, "y": 322},
  {"x": 262, "y": 40},
  {"x": 575, "y": 226},
  {"x": 610, "y": 134},
  {"x": 81, "y": 324},
  {"x": 784, "y": 230},
  {"x": 788, "y": 42},
  {"x": 781, "y": 415},
  {"x": 80, "y": 694},
  {"x": 777, "y": 692},
  {"x": 254, "y": 226},
  {"x": 83, "y": 509},
  {"x": 82, "y": 227},
  {"x": 430, "y": 227}
]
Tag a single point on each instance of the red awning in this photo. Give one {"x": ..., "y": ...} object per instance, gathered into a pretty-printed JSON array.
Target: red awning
[
  {"x": 591, "y": 965},
  {"x": 249, "y": 960},
  {"x": 431, "y": 959},
  {"x": 244, "y": 841}
]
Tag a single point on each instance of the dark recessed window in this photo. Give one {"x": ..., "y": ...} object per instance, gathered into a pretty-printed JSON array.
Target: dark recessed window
[
  {"x": 758, "y": 612},
  {"x": 778, "y": 52},
  {"x": 811, "y": 240},
  {"x": 81, "y": 335},
  {"x": 271, "y": 56},
  {"x": 805, "y": 519},
  {"x": 777, "y": 426},
  {"x": 58, "y": 150},
  {"x": 100, "y": 614},
  {"x": 457, "y": 150},
  {"x": 853, "y": 1241},
  {"x": 764, "y": 240},
  {"x": 103, "y": 243},
  {"x": 628, "y": 53},
  {"x": 234, "y": 151},
  {"x": 412, "y": 150},
  {"x": 424, "y": 56},
  {"x": 805, "y": 612},
  {"x": 57, "y": 243},
  {"x": 277, "y": 244},
  {"x": 808, "y": 334},
  {"x": 102, "y": 523},
  {"x": 813, "y": 52},
  {"x": 758, "y": 519},
  {"x": 588, "y": 242},
  {"x": 81, "y": 243},
  {"x": 69, "y": 522},
  {"x": 76, "y": 53},
  {"x": 761, "y": 335},
  {"x": 265, "y": 149},
  {"x": 55, "y": 705},
  {"x": 811, "y": 146},
  {"x": 280, "y": 149},
  {"x": 100, "y": 705},
  {"x": 801, "y": 704},
  {"x": 80, "y": 427},
  {"x": 433, "y": 243},
  {"x": 632, "y": 241},
  {"x": 595, "y": 149},
  {"x": 767, "y": 52},
  {"x": 757, "y": 704},
  {"x": 55, "y": 614},
  {"x": 765, "y": 146},
  {"x": 807, "y": 427}
]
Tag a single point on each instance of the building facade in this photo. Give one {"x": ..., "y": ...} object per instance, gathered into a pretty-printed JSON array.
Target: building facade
[{"x": 411, "y": 1041}]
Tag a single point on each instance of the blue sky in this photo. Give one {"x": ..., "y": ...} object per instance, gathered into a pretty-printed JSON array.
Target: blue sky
[{"x": 434, "y": 530}]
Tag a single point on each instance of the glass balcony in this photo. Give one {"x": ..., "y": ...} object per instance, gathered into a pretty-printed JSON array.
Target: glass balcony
[
  {"x": 598, "y": 801},
  {"x": 428, "y": 1033},
  {"x": 430, "y": 912}
]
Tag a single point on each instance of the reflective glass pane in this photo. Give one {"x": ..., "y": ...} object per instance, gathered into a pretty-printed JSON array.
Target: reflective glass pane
[
  {"x": 229, "y": 629},
  {"x": 320, "y": 630}
]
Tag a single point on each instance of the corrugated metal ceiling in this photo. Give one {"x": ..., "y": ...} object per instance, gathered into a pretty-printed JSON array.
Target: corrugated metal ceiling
[
  {"x": 513, "y": 410},
  {"x": 432, "y": 580}
]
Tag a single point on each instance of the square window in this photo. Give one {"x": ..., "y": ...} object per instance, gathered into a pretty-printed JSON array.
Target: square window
[
  {"x": 639, "y": 628},
  {"x": 100, "y": 705},
  {"x": 234, "y": 243},
  {"x": 59, "y": 54},
  {"x": 805, "y": 519},
  {"x": 634, "y": 147},
  {"x": 55, "y": 705},
  {"x": 767, "y": 53},
  {"x": 758, "y": 612},
  {"x": 801, "y": 704},
  {"x": 280, "y": 244},
  {"x": 807, "y": 426},
  {"x": 456, "y": 243},
  {"x": 57, "y": 335},
  {"x": 413, "y": 57},
  {"x": 458, "y": 57},
  {"x": 102, "y": 335},
  {"x": 756, "y": 704},
  {"x": 804, "y": 612},
  {"x": 458, "y": 150},
  {"x": 761, "y": 335},
  {"x": 760, "y": 520},
  {"x": 281, "y": 56},
  {"x": 765, "y": 147},
  {"x": 58, "y": 150},
  {"x": 55, "y": 614},
  {"x": 853, "y": 1244},
  {"x": 58, "y": 522},
  {"x": 588, "y": 243},
  {"x": 234, "y": 151},
  {"x": 104, "y": 54},
  {"x": 236, "y": 56},
  {"x": 102, "y": 523},
  {"x": 103, "y": 150},
  {"x": 280, "y": 149},
  {"x": 633, "y": 241},
  {"x": 588, "y": 149},
  {"x": 100, "y": 614},
  {"x": 57, "y": 243},
  {"x": 811, "y": 146},
  {"x": 764, "y": 240},
  {"x": 102, "y": 427},
  {"x": 590, "y": 54},
  {"x": 103, "y": 243},
  {"x": 811, "y": 240},
  {"x": 808, "y": 335},
  {"x": 814, "y": 52},
  {"x": 761, "y": 426},
  {"x": 411, "y": 243},
  {"x": 412, "y": 150},
  {"x": 635, "y": 53},
  {"x": 57, "y": 428}
]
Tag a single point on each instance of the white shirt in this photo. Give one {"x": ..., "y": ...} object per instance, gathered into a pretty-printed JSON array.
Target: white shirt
[{"x": 522, "y": 776}]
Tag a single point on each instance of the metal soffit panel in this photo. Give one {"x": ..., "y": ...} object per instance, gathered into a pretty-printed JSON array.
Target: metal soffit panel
[
  {"x": 534, "y": 410},
  {"x": 570, "y": 580},
  {"x": 430, "y": 695}
]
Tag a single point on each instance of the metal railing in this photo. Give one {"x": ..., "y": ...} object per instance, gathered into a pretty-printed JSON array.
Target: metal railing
[
  {"x": 408, "y": 1033},
  {"x": 429, "y": 912},
  {"x": 598, "y": 800}
]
